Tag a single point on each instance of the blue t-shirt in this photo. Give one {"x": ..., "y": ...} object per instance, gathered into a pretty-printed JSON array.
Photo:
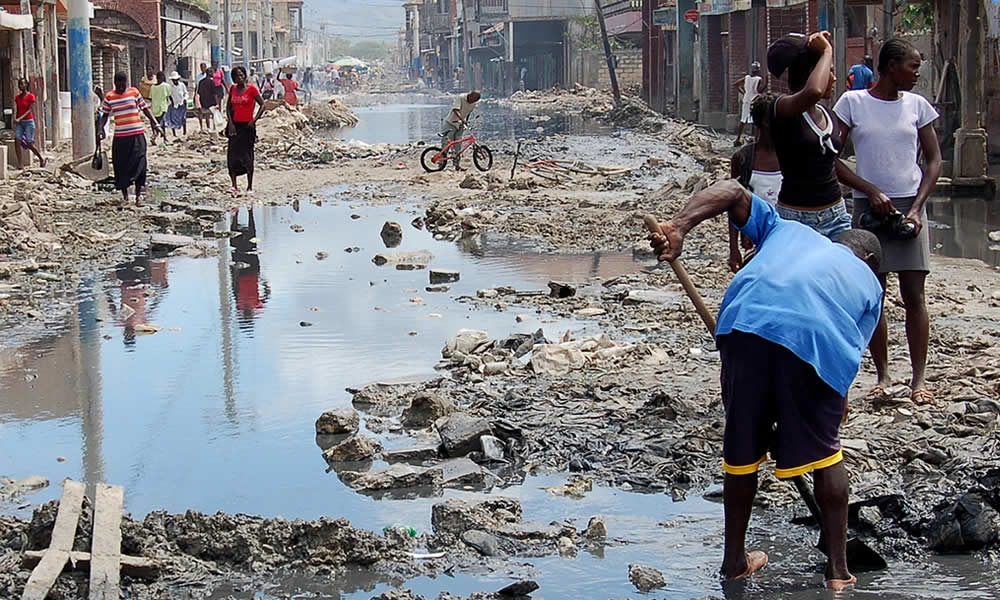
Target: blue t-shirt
[
  {"x": 863, "y": 77},
  {"x": 806, "y": 293}
]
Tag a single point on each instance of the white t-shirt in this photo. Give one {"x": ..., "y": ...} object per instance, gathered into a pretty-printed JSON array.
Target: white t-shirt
[
  {"x": 886, "y": 139},
  {"x": 464, "y": 108},
  {"x": 750, "y": 85},
  {"x": 179, "y": 94}
]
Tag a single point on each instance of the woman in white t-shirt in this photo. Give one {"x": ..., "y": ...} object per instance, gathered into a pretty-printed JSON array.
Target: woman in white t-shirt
[{"x": 890, "y": 127}]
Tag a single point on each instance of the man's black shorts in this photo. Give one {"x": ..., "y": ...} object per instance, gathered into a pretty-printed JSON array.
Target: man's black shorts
[{"x": 763, "y": 384}]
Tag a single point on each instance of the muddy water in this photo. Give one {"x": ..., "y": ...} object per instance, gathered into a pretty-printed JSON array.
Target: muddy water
[
  {"x": 960, "y": 228},
  {"x": 413, "y": 122}
]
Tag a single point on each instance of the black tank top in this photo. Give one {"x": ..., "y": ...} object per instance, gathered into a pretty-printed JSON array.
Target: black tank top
[{"x": 806, "y": 155}]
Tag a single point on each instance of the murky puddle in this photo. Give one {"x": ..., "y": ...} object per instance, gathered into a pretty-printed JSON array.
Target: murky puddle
[{"x": 960, "y": 227}]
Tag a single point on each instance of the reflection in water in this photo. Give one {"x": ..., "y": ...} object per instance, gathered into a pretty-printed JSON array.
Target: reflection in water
[
  {"x": 961, "y": 227},
  {"x": 247, "y": 282},
  {"x": 138, "y": 280}
]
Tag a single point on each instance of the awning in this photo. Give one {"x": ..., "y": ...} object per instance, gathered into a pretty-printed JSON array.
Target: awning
[
  {"x": 12, "y": 22},
  {"x": 192, "y": 24}
]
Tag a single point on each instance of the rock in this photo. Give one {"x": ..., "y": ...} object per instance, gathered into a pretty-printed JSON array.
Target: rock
[
  {"x": 589, "y": 312},
  {"x": 414, "y": 260},
  {"x": 394, "y": 477},
  {"x": 518, "y": 589},
  {"x": 495, "y": 368},
  {"x": 305, "y": 324},
  {"x": 994, "y": 236},
  {"x": 166, "y": 242},
  {"x": 521, "y": 318},
  {"x": 561, "y": 290},
  {"x": 463, "y": 473},
  {"x": 456, "y": 516},
  {"x": 465, "y": 342},
  {"x": 471, "y": 182},
  {"x": 425, "y": 409},
  {"x": 392, "y": 234},
  {"x": 645, "y": 578},
  {"x": 481, "y": 541},
  {"x": 355, "y": 216},
  {"x": 437, "y": 289},
  {"x": 356, "y": 448},
  {"x": 637, "y": 297},
  {"x": 322, "y": 255},
  {"x": 967, "y": 525},
  {"x": 296, "y": 228},
  {"x": 566, "y": 546},
  {"x": 460, "y": 433},
  {"x": 337, "y": 421},
  {"x": 426, "y": 447},
  {"x": 417, "y": 223},
  {"x": 487, "y": 293},
  {"x": 596, "y": 528},
  {"x": 869, "y": 515},
  {"x": 385, "y": 394},
  {"x": 28, "y": 485},
  {"x": 444, "y": 276},
  {"x": 493, "y": 448}
]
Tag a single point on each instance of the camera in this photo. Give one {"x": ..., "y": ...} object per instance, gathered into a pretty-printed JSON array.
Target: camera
[{"x": 893, "y": 225}]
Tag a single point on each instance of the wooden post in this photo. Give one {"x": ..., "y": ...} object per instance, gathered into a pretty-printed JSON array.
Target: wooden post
[
  {"x": 607, "y": 54},
  {"x": 105, "y": 562},
  {"x": 30, "y": 67}
]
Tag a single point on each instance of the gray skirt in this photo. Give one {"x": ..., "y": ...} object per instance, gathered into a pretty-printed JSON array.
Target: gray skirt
[{"x": 901, "y": 255}]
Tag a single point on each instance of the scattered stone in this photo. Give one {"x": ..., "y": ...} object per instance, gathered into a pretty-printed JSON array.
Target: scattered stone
[
  {"x": 492, "y": 447},
  {"x": 645, "y": 578},
  {"x": 395, "y": 477},
  {"x": 166, "y": 242},
  {"x": 297, "y": 228},
  {"x": 322, "y": 256},
  {"x": 521, "y": 318},
  {"x": 589, "y": 312},
  {"x": 338, "y": 421},
  {"x": 566, "y": 546},
  {"x": 561, "y": 290},
  {"x": 487, "y": 293},
  {"x": 392, "y": 234},
  {"x": 994, "y": 236},
  {"x": 519, "y": 589},
  {"x": 356, "y": 448},
  {"x": 305, "y": 324},
  {"x": 414, "y": 260},
  {"x": 355, "y": 216},
  {"x": 417, "y": 223},
  {"x": 437, "y": 289},
  {"x": 471, "y": 182},
  {"x": 444, "y": 276},
  {"x": 425, "y": 409},
  {"x": 463, "y": 473},
  {"x": 637, "y": 297},
  {"x": 456, "y": 516},
  {"x": 425, "y": 447},
  {"x": 460, "y": 433},
  {"x": 596, "y": 528},
  {"x": 482, "y": 542}
]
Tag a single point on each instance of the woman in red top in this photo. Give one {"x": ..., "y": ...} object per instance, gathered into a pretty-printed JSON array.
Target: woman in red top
[
  {"x": 290, "y": 86},
  {"x": 24, "y": 119},
  {"x": 242, "y": 127}
]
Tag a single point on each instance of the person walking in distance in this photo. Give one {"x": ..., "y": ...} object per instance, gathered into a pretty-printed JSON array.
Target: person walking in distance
[
  {"x": 24, "y": 123},
  {"x": 241, "y": 128},
  {"x": 160, "y": 104},
  {"x": 205, "y": 94},
  {"x": 756, "y": 167},
  {"x": 861, "y": 76},
  {"x": 790, "y": 335},
  {"x": 128, "y": 150},
  {"x": 748, "y": 88},
  {"x": 291, "y": 88},
  {"x": 458, "y": 120},
  {"x": 146, "y": 84},
  {"x": 805, "y": 134},
  {"x": 891, "y": 127},
  {"x": 177, "y": 113},
  {"x": 269, "y": 86}
]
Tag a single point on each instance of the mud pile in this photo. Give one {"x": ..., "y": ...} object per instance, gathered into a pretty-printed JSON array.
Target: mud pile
[{"x": 574, "y": 100}]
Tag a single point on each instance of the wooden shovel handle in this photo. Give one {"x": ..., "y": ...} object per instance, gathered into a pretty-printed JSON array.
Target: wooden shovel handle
[{"x": 653, "y": 225}]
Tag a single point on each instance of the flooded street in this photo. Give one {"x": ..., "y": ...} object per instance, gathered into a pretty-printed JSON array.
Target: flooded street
[{"x": 215, "y": 410}]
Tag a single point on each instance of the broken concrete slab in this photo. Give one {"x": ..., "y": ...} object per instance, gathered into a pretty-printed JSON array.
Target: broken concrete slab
[
  {"x": 518, "y": 589},
  {"x": 438, "y": 276},
  {"x": 637, "y": 297},
  {"x": 356, "y": 448},
  {"x": 425, "y": 409},
  {"x": 560, "y": 289},
  {"x": 167, "y": 242},
  {"x": 456, "y": 516},
  {"x": 339, "y": 420},
  {"x": 418, "y": 259},
  {"x": 482, "y": 542},
  {"x": 464, "y": 473},
  {"x": 395, "y": 477},
  {"x": 423, "y": 448},
  {"x": 460, "y": 433},
  {"x": 392, "y": 234}
]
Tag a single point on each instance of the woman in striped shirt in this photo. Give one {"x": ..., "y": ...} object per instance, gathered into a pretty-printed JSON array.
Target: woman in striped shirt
[{"x": 128, "y": 151}]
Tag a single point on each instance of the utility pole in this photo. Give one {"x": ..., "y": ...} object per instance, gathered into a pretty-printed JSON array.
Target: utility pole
[
  {"x": 840, "y": 44},
  {"x": 216, "y": 48},
  {"x": 246, "y": 35},
  {"x": 888, "y": 8},
  {"x": 80, "y": 77},
  {"x": 260, "y": 33},
  {"x": 607, "y": 54},
  {"x": 228, "y": 36}
]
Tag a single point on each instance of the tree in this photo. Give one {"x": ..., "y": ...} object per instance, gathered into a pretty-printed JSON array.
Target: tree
[
  {"x": 370, "y": 50},
  {"x": 916, "y": 17}
]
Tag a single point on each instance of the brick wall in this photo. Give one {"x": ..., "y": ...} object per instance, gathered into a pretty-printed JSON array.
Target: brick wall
[
  {"x": 711, "y": 26},
  {"x": 590, "y": 68},
  {"x": 739, "y": 59},
  {"x": 146, "y": 14}
]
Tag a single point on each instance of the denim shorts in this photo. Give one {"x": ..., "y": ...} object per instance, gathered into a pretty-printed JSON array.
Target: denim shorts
[
  {"x": 25, "y": 130},
  {"x": 830, "y": 222}
]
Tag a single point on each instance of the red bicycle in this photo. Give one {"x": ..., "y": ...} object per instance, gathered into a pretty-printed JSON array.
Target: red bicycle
[{"x": 435, "y": 159}]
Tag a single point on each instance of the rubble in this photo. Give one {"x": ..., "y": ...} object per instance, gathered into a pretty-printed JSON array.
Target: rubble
[
  {"x": 460, "y": 433},
  {"x": 394, "y": 477},
  {"x": 645, "y": 578},
  {"x": 356, "y": 448}
]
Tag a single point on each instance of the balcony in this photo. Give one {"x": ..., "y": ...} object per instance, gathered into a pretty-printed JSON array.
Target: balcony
[
  {"x": 615, "y": 7},
  {"x": 491, "y": 10}
]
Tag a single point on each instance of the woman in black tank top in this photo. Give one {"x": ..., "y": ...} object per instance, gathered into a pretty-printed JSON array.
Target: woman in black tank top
[{"x": 805, "y": 134}]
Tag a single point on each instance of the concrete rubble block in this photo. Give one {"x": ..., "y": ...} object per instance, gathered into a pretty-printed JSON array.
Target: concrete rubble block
[
  {"x": 461, "y": 432},
  {"x": 465, "y": 342},
  {"x": 425, "y": 447},
  {"x": 596, "y": 528},
  {"x": 418, "y": 259},
  {"x": 394, "y": 477},
  {"x": 561, "y": 289},
  {"x": 463, "y": 473},
  {"x": 340, "y": 420},
  {"x": 518, "y": 589},
  {"x": 426, "y": 408},
  {"x": 385, "y": 393},
  {"x": 482, "y": 542},
  {"x": 356, "y": 448},
  {"x": 471, "y": 182},
  {"x": 439, "y": 276},
  {"x": 492, "y": 447},
  {"x": 637, "y": 297},
  {"x": 163, "y": 241},
  {"x": 456, "y": 516},
  {"x": 392, "y": 234},
  {"x": 645, "y": 578}
]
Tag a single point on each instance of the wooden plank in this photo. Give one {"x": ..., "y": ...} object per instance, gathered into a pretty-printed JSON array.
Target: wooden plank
[
  {"x": 105, "y": 556},
  {"x": 55, "y": 558},
  {"x": 132, "y": 566}
]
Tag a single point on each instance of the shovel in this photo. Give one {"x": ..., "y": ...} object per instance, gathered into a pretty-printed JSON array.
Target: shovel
[{"x": 860, "y": 556}]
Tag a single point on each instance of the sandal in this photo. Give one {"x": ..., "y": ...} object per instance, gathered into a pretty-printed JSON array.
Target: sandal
[
  {"x": 878, "y": 392},
  {"x": 839, "y": 585},
  {"x": 922, "y": 396}
]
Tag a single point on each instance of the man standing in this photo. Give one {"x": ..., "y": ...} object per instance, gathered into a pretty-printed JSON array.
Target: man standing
[
  {"x": 458, "y": 120},
  {"x": 160, "y": 100},
  {"x": 146, "y": 85},
  {"x": 205, "y": 93},
  {"x": 24, "y": 123},
  {"x": 128, "y": 151},
  {"x": 861, "y": 76},
  {"x": 307, "y": 81},
  {"x": 749, "y": 88},
  {"x": 791, "y": 335}
]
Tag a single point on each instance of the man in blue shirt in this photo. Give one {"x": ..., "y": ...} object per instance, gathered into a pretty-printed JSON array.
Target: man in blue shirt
[
  {"x": 792, "y": 328},
  {"x": 861, "y": 76}
]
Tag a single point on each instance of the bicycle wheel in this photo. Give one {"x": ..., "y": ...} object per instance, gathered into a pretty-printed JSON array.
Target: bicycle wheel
[
  {"x": 427, "y": 160},
  {"x": 483, "y": 158}
]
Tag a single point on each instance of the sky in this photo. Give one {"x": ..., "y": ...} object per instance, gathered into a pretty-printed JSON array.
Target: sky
[{"x": 357, "y": 19}]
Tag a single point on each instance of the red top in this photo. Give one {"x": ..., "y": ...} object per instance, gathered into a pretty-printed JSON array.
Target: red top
[
  {"x": 23, "y": 101},
  {"x": 243, "y": 103},
  {"x": 290, "y": 86}
]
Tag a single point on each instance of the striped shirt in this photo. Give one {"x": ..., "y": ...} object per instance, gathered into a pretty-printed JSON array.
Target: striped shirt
[{"x": 125, "y": 109}]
